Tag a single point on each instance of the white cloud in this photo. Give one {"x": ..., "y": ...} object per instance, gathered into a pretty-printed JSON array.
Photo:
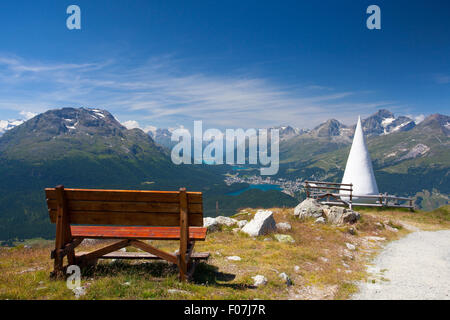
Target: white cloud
[
  {"x": 27, "y": 115},
  {"x": 131, "y": 124},
  {"x": 159, "y": 94},
  {"x": 418, "y": 119}
]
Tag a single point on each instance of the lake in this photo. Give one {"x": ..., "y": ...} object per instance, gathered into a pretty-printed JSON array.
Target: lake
[{"x": 263, "y": 187}]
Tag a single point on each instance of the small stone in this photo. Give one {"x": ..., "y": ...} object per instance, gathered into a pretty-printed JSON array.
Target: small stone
[
  {"x": 286, "y": 278},
  {"x": 320, "y": 220},
  {"x": 174, "y": 291},
  {"x": 296, "y": 268},
  {"x": 126, "y": 283},
  {"x": 259, "y": 280},
  {"x": 283, "y": 226},
  {"x": 352, "y": 231},
  {"x": 285, "y": 238},
  {"x": 79, "y": 291},
  {"x": 234, "y": 258},
  {"x": 350, "y": 246},
  {"x": 323, "y": 259}
]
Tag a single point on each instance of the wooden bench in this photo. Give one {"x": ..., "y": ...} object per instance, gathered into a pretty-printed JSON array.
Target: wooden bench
[{"x": 131, "y": 216}]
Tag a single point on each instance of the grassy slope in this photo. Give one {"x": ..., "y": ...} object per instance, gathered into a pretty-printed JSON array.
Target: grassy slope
[{"x": 24, "y": 272}]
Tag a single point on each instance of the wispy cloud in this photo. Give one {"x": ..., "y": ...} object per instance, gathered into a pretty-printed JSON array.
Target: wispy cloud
[{"x": 158, "y": 92}]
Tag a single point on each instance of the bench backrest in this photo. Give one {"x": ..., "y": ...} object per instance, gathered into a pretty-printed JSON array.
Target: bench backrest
[{"x": 125, "y": 207}]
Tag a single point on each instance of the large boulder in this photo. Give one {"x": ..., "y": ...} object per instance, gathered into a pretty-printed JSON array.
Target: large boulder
[
  {"x": 308, "y": 208},
  {"x": 262, "y": 223},
  {"x": 340, "y": 215}
]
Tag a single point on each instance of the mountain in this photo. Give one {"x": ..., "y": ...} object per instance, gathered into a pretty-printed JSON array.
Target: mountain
[
  {"x": 384, "y": 122},
  {"x": 84, "y": 148},
  {"x": 162, "y": 137},
  {"x": 288, "y": 132}
]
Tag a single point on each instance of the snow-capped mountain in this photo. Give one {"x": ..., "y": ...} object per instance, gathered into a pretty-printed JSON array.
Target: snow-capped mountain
[{"x": 384, "y": 122}]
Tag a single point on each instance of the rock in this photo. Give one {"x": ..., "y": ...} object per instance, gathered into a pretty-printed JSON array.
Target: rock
[
  {"x": 348, "y": 254},
  {"x": 340, "y": 215},
  {"x": 352, "y": 231},
  {"x": 373, "y": 238},
  {"x": 211, "y": 224},
  {"x": 175, "y": 291},
  {"x": 27, "y": 247},
  {"x": 308, "y": 208},
  {"x": 79, "y": 291},
  {"x": 350, "y": 246},
  {"x": 296, "y": 268},
  {"x": 234, "y": 258},
  {"x": 227, "y": 221},
  {"x": 242, "y": 223},
  {"x": 320, "y": 220},
  {"x": 128, "y": 283},
  {"x": 284, "y": 238},
  {"x": 323, "y": 259},
  {"x": 389, "y": 228},
  {"x": 259, "y": 280},
  {"x": 283, "y": 226},
  {"x": 262, "y": 223},
  {"x": 286, "y": 278}
]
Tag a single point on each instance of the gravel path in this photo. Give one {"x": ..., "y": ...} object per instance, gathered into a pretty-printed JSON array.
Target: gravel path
[{"x": 415, "y": 267}]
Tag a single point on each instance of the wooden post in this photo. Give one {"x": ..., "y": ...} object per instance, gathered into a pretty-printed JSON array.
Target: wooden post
[
  {"x": 351, "y": 196},
  {"x": 184, "y": 233},
  {"x": 63, "y": 234},
  {"x": 411, "y": 207}
]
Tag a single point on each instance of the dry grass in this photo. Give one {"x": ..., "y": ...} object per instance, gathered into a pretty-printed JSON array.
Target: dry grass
[{"x": 326, "y": 268}]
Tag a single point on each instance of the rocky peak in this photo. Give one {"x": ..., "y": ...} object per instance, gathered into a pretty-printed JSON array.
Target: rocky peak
[
  {"x": 330, "y": 128},
  {"x": 434, "y": 122},
  {"x": 384, "y": 122}
]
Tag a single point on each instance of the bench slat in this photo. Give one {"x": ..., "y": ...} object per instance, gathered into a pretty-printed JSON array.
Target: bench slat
[
  {"x": 121, "y": 206},
  {"x": 124, "y": 195},
  {"x": 144, "y": 233}
]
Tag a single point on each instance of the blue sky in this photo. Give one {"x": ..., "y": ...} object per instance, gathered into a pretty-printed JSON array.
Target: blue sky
[{"x": 228, "y": 63}]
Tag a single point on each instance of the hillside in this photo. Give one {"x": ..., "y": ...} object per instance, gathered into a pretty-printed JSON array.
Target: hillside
[{"x": 319, "y": 263}]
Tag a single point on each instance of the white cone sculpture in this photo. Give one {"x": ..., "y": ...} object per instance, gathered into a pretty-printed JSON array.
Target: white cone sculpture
[{"x": 358, "y": 170}]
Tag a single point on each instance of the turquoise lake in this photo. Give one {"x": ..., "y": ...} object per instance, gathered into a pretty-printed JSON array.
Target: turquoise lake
[{"x": 263, "y": 187}]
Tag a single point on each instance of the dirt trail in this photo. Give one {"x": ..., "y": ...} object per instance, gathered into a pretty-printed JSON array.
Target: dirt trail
[{"x": 415, "y": 267}]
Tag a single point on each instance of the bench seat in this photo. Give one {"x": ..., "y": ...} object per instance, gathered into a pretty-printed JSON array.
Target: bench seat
[{"x": 144, "y": 233}]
